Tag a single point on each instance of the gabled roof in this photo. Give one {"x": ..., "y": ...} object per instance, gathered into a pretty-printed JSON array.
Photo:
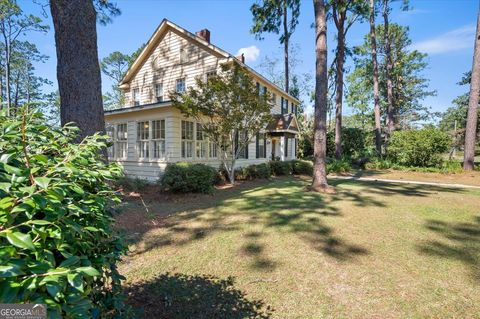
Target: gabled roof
[
  {"x": 282, "y": 123},
  {"x": 162, "y": 30}
]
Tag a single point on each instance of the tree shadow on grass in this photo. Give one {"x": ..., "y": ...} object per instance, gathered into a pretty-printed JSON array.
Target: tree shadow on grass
[
  {"x": 463, "y": 243},
  {"x": 180, "y": 296},
  {"x": 281, "y": 204}
]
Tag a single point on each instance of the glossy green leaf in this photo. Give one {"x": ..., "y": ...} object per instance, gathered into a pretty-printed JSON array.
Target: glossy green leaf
[
  {"x": 42, "y": 182},
  {"x": 20, "y": 240},
  {"x": 76, "y": 281},
  {"x": 90, "y": 271}
]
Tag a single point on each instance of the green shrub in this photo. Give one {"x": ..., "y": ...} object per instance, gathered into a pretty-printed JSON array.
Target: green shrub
[
  {"x": 339, "y": 166},
  {"x": 241, "y": 173},
  {"x": 281, "y": 168},
  {"x": 419, "y": 148},
  {"x": 378, "y": 163},
  {"x": 356, "y": 143},
  {"x": 132, "y": 184},
  {"x": 301, "y": 167},
  {"x": 57, "y": 243},
  {"x": 189, "y": 178},
  {"x": 259, "y": 171}
]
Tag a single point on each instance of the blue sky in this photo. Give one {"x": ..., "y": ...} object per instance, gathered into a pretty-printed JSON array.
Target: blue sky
[{"x": 442, "y": 28}]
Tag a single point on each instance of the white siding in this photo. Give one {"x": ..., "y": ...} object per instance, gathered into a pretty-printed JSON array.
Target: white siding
[{"x": 164, "y": 66}]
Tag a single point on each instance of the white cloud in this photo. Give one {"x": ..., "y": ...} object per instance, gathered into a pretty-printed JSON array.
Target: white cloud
[
  {"x": 457, "y": 39},
  {"x": 251, "y": 53}
]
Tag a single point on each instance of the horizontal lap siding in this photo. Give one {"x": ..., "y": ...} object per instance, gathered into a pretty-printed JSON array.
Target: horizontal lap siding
[{"x": 164, "y": 66}]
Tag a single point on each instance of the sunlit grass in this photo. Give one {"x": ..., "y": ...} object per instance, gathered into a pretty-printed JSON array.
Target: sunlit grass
[{"x": 370, "y": 251}]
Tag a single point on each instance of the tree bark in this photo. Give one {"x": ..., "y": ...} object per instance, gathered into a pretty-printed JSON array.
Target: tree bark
[
  {"x": 376, "y": 90},
  {"x": 388, "y": 56},
  {"x": 340, "y": 60},
  {"x": 321, "y": 85},
  {"x": 78, "y": 69},
  {"x": 471, "y": 128},
  {"x": 285, "y": 44}
]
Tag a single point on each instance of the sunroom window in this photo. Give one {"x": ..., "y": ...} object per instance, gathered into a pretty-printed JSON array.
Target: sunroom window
[
  {"x": 201, "y": 151},
  {"x": 158, "y": 139},
  {"x": 187, "y": 139},
  {"x": 120, "y": 143},
  {"x": 143, "y": 139}
]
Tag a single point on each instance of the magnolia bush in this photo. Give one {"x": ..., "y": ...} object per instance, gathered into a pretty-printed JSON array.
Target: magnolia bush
[{"x": 57, "y": 245}]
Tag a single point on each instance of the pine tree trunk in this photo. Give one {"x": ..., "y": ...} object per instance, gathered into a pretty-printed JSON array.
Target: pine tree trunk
[
  {"x": 471, "y": 129},
  {"x": 388, "y": 56},
  {"x": 285, "y": 44},
  {"x": 340, "y": 59},
  {"x": 376, "y": 90},
  {"x": 78, "y": 69},
  {"x": 321, "y": 85}
]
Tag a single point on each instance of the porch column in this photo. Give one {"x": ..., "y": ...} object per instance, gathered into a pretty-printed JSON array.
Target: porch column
[{"x": 283, "y": 156}]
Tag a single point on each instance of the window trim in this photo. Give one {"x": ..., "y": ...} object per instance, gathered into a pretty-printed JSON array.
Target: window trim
[
  {"x": 183, "y": 152},
  {"x": 136, "y": 97},
  {"x": 184, "y": 85},
  {"x": 156, "y": 92}
]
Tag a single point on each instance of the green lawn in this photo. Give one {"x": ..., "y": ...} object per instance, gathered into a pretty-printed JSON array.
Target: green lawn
[{"x": 272, "y": 250}]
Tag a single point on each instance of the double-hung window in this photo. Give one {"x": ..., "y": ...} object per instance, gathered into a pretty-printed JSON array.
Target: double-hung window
[
  {"x": 143, "y": 135},
  {"x": 212, "y": 150},
  {"x": 158, "y": 139},
  {"x": 202, "y": 144},
  {"x": 159, "y": 92},
  {"x": 261, "y": 145},
  {"x": 187, "y": 139},
  {"x": 136, "y": 97},
  {"x": 120, "y": 143},
  {"x": 180, "y": 85}
]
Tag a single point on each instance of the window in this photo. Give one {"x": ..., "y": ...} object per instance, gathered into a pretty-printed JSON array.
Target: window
[
  {"x": 241, "y": 139},
  {"x": 142, "y": 139},
  {"x": 110, "y": 129},
  {"x": 261, "y": 145},
  {"x": 295, "y": 109},
  {"x": 187, "y": 139},
  {"x": 274, "y": 99},
  {"x": 201, "y": 150},
  {"x": 212, "y": 150},
  {"x": 284, "y": 103},
  {"x": 120, "y": 144},
  {"x": 159, "y": 92},
  {"x": 136, "y": 97},
  {"x": 210, "y": 75},
  {"x": 286, "y": 106},
  {"x": 180, "y": 86},
  {"x": 158, "y": 138}
]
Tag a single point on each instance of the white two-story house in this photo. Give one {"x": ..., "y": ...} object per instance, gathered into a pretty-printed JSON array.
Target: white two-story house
[{"x": 148, "y": 132}]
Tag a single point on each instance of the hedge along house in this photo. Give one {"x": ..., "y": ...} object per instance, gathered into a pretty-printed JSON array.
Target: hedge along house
[{"x": 148, "y": 132}]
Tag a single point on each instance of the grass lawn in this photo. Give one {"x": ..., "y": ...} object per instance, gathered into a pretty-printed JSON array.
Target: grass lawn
[{"x": 268, "y": 249}]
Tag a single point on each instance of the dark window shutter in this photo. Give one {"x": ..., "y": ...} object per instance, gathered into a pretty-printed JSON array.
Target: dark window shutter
[
  {"x": 286, "y": 146},
  {"x": 256, "y": 146},
  {"x": 245, "y": 143},
  {"x": 282, "y": 104},
  {"x": 264, "y": 145},
  {"x": 286, "y": 106}
]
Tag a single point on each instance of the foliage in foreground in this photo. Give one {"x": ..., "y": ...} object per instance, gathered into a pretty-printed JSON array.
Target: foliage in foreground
[{"x": 57, "y": 245}]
